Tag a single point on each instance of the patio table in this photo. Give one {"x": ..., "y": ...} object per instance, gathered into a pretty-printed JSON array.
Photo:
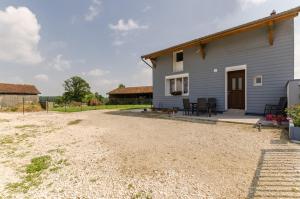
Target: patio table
[{"x": 194, "y": 107}]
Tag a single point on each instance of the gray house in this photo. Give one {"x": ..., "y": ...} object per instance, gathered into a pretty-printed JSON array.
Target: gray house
[{"x": 244, "y": 67}]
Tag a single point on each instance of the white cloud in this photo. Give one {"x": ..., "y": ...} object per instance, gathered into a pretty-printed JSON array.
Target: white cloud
[
  {"x": 73, "y": 20},
  {"x": 96, "y": 72},
  {"x": 19, "y": 36},
  {"x": 247, "y": 3},
  {"x": 108, "y": 82},
  {"x": 118, "y": 43},
  {"x": 146, "y": 9},
  {"x": 123, "y": 26},
  {"x": 297, "y": 56},
  {"x": 41, "y": 77},
  {"x": 57, "y": 45},
  {"x": 94, "y": 10},
  {"x": 60, "y": 64},
  {"x": 143, "y": 76},
  {"x": 104, "y": 85}
]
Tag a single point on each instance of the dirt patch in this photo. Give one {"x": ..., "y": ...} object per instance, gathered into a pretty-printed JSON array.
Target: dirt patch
[{"x": 74, "y": 122}]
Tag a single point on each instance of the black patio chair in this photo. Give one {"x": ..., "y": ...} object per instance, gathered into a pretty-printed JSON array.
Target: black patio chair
[
  {"x": 186, "y": 106},
  {"x": 202, "y": 105},
  {"x": 276, "y": 109},
  {"x": 212, "y": 102}
]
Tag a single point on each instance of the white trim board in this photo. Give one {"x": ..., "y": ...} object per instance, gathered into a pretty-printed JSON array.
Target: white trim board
[
  {"x": 235, "y": 68},
  {"x": 182, "y": 75},
  {"x": 177, "y": 66},
  {"x": 177, "y": 76}
]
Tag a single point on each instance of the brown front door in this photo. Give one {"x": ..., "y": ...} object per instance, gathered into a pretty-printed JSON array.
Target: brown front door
[{"x": 236, "y": 89}]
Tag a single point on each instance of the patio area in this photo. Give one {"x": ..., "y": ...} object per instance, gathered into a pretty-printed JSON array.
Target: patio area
[{"x": 231, "y": 116}]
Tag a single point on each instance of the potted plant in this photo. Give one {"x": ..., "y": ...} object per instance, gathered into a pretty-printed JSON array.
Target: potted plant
[
  {"x": 176, "y": 93},
  {"x": 294, "y": 123}
]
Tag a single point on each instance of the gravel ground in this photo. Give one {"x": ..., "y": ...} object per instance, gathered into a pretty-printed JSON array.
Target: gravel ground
[{"x": 100, "y": 154}]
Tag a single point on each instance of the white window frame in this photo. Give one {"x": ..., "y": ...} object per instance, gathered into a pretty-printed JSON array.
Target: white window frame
[
  {"x": 167, "y": 83},
  {"x": 177, "y": 66},
  {"x": 254, "y": 80}
]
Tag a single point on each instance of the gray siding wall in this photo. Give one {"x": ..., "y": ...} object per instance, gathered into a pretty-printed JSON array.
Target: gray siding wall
[
  {"x": 14, "y": 100},
  {"x": 275, "y": 63}
]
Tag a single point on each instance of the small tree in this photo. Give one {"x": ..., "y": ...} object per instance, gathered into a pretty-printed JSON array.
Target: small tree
[
  {"x": 121, "y": 86},
  {"x": 88, "y": 98},
  {"x": 99, "y": 97},
  {"x": 59, "y": 100},
  {"x": 76, "y": 89},
  {"x": 91, "y": 100}
]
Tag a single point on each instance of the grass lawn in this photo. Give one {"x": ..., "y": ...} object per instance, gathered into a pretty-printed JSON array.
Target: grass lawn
[{"x": 101, "y": 107}]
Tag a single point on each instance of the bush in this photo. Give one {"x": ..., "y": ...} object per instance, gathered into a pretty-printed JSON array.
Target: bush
[
  {"x": 74, "y": 103},
  {"x": 294, "y": 113},
  {"x": 94, "y": 102}
]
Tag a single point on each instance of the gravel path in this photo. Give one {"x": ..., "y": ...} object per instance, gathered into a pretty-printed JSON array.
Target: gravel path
[{"x": 100, "y": 154}]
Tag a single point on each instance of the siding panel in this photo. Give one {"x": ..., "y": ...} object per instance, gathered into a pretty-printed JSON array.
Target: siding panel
[{"x": 275, "y": 63}]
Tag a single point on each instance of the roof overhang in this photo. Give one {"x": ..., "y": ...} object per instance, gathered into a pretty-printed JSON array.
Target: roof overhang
[{"x": 201, "y": 42}]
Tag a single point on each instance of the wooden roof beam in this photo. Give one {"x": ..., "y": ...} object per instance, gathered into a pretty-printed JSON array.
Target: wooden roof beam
[
  {"x": 271, "y": 32},
  {"x": 202, "y": 51}
]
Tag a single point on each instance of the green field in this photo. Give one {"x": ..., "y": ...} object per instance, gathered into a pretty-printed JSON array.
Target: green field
[{"x": 101, "y": 107}]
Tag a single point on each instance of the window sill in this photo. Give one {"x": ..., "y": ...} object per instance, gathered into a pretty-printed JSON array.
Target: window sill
[
  {"x": 183, "y": 95},
  {"x": 179, "y": 71}
]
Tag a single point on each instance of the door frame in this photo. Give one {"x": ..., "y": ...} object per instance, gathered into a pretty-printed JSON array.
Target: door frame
[{"x": 230, "y": 69}]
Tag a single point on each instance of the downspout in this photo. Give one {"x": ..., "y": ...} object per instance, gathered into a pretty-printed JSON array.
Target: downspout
[{"x": 146, "y": 63}]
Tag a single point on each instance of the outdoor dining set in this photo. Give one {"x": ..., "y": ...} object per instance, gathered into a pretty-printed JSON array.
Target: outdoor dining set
[{"x": 203, "y": 105}]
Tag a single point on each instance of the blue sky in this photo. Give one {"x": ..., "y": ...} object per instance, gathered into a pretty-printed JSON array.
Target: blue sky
[{"x": 46, "y": 42}]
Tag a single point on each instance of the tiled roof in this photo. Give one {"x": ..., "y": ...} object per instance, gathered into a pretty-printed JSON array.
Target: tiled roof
[
  {"x": 18, "y": 89},
  {"x": 132, "y": 90}
]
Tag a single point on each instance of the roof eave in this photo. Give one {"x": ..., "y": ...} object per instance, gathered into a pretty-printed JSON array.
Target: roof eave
[
  {"x": 15, "y": 93},
  {"x": 242, "y": 28}
]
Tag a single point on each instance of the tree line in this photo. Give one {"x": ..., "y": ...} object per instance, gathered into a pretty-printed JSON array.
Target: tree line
[{"x": 76, "y": 89}]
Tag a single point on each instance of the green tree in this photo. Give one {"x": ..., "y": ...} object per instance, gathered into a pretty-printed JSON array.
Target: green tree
[
  {"x": 76, "y": 89},
  {"x": 87, "y": 98},
  {"x": 99, "y": 97},
  {"x": 121, "y": 86}
]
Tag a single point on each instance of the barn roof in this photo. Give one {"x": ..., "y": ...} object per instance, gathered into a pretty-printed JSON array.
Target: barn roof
[
  {"x": 132, "y": 90},
  {"x": 18, "y": 89}
]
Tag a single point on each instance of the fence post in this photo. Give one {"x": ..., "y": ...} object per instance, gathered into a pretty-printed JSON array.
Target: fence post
[
  {"x": 47, "y": 106},
  {"x": 81, "y": 106},
  {"x": 65, "y": 107},
  {"x": 23, "y": 105}
]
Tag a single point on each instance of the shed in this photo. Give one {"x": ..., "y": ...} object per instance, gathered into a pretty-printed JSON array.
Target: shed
[
  {"x": 14, "y": 94},
  {"x": 131, "y": 95}
]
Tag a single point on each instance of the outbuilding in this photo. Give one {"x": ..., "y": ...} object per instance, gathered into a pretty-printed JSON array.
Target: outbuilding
[
  {"x": 131, "y": 95},
  {"x": 14, "y": 94}
]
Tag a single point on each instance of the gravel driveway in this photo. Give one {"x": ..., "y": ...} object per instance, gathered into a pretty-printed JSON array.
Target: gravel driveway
[{"x": 100, "y": 154}]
